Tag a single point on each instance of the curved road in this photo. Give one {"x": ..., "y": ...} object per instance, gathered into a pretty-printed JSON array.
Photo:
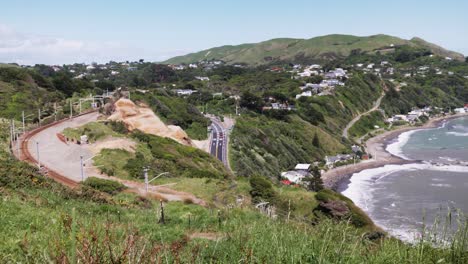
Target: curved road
[{"x": 62, "y": 160}]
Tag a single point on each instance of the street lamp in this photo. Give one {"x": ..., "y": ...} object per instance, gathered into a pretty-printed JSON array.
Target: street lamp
[
  {"x": 37, "y": 154},
  {"x": 145, "y": 170},
  {"x": 82, "y": 165}
]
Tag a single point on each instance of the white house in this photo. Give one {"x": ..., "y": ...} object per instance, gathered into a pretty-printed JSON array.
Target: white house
[
  {"x": 182, "y": 92},
  {"x": 302, "y": 166},
  {"x": 294, "y": 176},
  {"x": 304, "y": 94},
  {"x": 202, "y": 78}
]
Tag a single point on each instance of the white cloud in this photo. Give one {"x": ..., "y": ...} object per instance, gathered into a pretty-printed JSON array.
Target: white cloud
[{"x": 32, "y": 49}]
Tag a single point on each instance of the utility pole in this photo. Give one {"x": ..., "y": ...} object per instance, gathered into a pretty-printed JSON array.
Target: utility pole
[
  {"x": 80, "y": 106},
  {"x": 145, "y": 170},
  {"x": 71, "y": 109},
  {"x": 37, "y": 154},
  {"x": 11, "y": 132},
  {"x": 24, "y": 130},
  {"x": 81, "y": 168},
  {"x": 161, "y": 220},
  {"x": 55, "y": 111},
  {"x": 18, "y": 147},
  {"x": 39, "y": 115}
]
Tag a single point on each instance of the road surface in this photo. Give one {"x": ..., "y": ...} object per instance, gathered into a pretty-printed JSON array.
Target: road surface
[
  {"x": 58, "y": 156},
  {"x": 218, "y": 143},
  {"x": 63, "y": 160}
]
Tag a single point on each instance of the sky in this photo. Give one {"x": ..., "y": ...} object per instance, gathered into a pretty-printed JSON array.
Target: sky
[{"x": 62, "y": 32}]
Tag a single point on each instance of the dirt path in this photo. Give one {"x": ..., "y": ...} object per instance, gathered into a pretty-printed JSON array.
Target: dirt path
[
  {"x": 61, "y": 160},
  {"x": 375, "y": 107}
]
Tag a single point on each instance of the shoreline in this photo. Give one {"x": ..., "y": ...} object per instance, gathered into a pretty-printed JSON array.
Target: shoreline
[{"x": 376, "y": 146}]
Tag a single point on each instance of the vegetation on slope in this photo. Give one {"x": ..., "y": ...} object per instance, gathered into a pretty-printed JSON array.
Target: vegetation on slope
[
  {"x": 265, "y": 146},
  {"x": 157, "y": 153},
  {"x": 328, "y": 47},
  {"x": 176, "y": 111}
]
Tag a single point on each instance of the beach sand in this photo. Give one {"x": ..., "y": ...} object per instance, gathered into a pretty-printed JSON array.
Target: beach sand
[{"x": 376, "y": 146}]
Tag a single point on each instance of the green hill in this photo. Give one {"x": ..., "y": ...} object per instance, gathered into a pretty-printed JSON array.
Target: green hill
[{"x": 319, "y": 48}]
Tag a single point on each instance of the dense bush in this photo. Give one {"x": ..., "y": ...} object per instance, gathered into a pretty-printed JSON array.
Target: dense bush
[
  {"x": 262, "y": 190},
  {"x": 107, "y": 186}
]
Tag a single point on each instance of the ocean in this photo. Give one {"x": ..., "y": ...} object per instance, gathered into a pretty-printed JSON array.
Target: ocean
[{"x": 403, "y": 198}]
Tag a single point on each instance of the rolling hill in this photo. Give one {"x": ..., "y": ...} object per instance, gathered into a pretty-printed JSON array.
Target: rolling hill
[{"x": 319, "y": 48}]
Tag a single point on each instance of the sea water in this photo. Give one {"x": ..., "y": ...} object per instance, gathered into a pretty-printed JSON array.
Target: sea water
[{"x": 404, "y": 198}]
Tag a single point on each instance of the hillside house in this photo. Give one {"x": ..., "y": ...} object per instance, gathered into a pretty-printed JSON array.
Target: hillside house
[
  {"x": 298, "y": 174},
  {"x": 203, "y": 79},
  {"x": 330, "y": 161},
  {"x": 184, "y": 92}
]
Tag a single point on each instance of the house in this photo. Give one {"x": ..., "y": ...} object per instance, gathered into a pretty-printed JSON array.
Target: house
[
  {"x": 279, "y": 106},
  {"x": 202, "y": 78},
  {"x": 193, "y": 66},
  {"x": 300, "y": 172},
  {"x": 294, "y": 176},
  {"x": 302, "y": 167},
  {"x": 412, "y": 118},
  {"x": 370, "y": 66},
  {"x": 400, "y": 118},
  {"x": 330, "y": 75},
  {"x": 330, "y": 161},
  {"x": 114, "y": 72},
  {"x": 182, "y": 92},
  {"x": 460, "y": 110},
  {"x": 304, "y": 94},
  {"x": 355, "y": 148}
]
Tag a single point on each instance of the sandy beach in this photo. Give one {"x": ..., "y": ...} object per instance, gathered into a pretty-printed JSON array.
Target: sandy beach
[{"x": 376, "y": 146}]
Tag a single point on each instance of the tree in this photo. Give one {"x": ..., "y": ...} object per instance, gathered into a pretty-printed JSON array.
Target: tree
[
  {"x": 466, "y": 59},
  {"x": 316, "y": 141},
  {"x": 251, "y": 101},
  {"x": 314, "y": 183},
  {"x": 262, "y": 190}
]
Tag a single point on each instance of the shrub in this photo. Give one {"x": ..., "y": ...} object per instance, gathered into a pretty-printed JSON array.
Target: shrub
[
  {"x": 261, "y": 189},
  {"x": 107, "y": 186}
]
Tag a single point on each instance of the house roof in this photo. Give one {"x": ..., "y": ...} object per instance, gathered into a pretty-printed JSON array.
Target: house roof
[{"x": 302, "y": 166}]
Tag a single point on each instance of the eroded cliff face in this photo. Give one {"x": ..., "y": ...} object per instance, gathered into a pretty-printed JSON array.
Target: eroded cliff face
[{"x": 144, "y": 119}]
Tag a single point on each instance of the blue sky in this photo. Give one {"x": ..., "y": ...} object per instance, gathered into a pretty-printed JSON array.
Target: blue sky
[{"x": 56, "y": 32}]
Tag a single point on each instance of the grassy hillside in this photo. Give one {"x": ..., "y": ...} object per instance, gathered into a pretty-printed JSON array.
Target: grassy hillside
[
  {"x": 267, "y": 146},
  {"x": 319, "y": 48},
  {"x": 43, "y": 221},
  {"x": 157, "y": 153}
]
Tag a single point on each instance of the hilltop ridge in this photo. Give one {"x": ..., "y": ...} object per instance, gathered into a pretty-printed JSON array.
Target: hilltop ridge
[{"x": 328, "y": 47}]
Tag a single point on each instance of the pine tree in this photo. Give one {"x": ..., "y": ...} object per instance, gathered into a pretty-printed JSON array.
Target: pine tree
[{"x": 314, "y": 183}]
